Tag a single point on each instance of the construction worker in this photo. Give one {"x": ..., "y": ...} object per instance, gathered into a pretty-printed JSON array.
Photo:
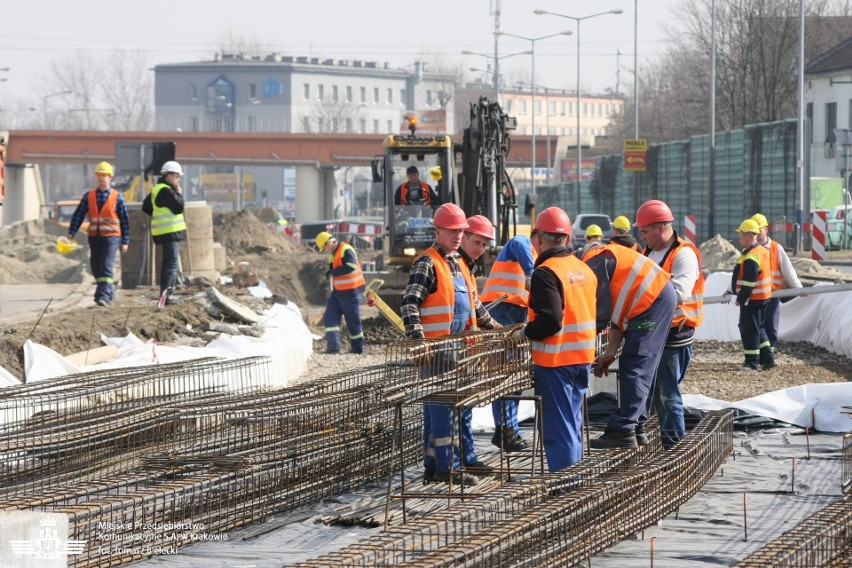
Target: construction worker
[
  {"x": 751, "y": 283},
  {"x": 168, "y": 227},
  {"x": 622, "y": 236},
  {"x": 440, "y": 299},
  {"x": 510, "y": 275},
  {"x": 109, "y": 230},
  {"x": 783, "y": 276},
  {"x": 476, "y": 237},
  {"x": 415, "y": 191},
  {"x": 637, "y": 301},
  {"x": 682, "y": 260},
  {"x": 347, "y": 284},
  {"x": 594, "y": 238},
  {"x": 561, "y": 329}
]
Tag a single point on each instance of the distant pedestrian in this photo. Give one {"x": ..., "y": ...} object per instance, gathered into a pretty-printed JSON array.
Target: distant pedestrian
[
  {"x": 109, "y": 230},
  {"x": 168, "y": 227},
  {"x": 751, "y": 284},
  {"x": 347, "y": 285},
  {"x": 783, "y": 276}
]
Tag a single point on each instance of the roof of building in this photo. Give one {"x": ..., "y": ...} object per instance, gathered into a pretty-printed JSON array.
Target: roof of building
[{"x": 838, "y": 58}]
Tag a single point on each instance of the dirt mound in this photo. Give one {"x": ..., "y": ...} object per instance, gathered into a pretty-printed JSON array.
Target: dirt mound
[
  {"x": 718, "y": 255},
  {"x": 243, "y": 233},
  {"x": 30, "y": 255},
  {"x": 32, "y": 227}
]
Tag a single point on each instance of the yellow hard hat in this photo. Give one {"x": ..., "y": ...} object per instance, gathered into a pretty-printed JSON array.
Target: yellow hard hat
[
  {"x": 749, "y": 226},
  {"x": 760, "y": 220},
  {"x": 435, "y": 173},
  {"x": 322, "y": 239},
  {"x": 104, "y": 168},
  {"x": 621, "y": 222},
  {"x": 593, "y": 231},
  {"x": 64, "y": 245}
]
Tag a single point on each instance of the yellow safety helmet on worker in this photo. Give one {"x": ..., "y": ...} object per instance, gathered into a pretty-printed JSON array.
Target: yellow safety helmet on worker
[
  {"x": 621, "y": 223},
  {"x": 322, "y": 239},
  {"x": 760, "y": 220},
  {"x": 749, "y": 226},
  {"x": 594, "y": 231},
  {"x": 104, "y": 168}
]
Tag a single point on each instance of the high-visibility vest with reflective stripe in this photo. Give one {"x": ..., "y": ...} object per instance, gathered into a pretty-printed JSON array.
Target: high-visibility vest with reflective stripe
[
  {"x": 775, "y": 275},
  {"x": 763, "y": 287},
  {"x": 424, "y": 188},
  {"x": 103, "y": 223},
  {"x": 507, "y": 277},
  {"x": 574, "y": 344},
  {"x": 163, "y": 221},
  {"x": 635, "y": 285},
  {"x": 349, "y": 281},
  {"x": 690, "y": 310},
  {"x": 436, "y": 311}
]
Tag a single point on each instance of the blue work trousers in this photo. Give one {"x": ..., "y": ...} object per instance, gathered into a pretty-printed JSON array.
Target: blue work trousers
[
  {"x": 343, "y": 304},
  {"x": 640, "y": 356},
  {"x": 667, "y": 397},
  {"x": 753, "y": 335},
  {"x": 561, "y": 390},
  {"x": 102, "y": 260},
  {"x": 507, "y": 314},
  {"x": 170, "y": 253},
  {"x": 772, "y": 320}
]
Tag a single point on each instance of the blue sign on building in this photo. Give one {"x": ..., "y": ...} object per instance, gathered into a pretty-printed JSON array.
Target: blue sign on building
[{"x": 272, "y": 87}]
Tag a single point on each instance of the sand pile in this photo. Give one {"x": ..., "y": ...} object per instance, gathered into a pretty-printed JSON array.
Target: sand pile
[
  {"x": 30, "y": 255},
  {"x": 718, "y": 255},
  {"x": 242, "y": 233}
]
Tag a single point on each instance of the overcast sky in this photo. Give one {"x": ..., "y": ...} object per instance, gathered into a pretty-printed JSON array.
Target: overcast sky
[{"x": 36, "y": 33}]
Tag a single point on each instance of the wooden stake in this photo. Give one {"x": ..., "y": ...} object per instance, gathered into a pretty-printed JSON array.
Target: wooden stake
[
  {"x": 44, "y": 311},
  {"x": 745, "y": 518},
  {"x": 808, "y": 440},
  {"x": 652, "y": 551}
]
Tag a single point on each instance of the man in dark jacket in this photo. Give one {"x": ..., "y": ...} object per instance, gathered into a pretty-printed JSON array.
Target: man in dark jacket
[{"x": 165, "y": 206}]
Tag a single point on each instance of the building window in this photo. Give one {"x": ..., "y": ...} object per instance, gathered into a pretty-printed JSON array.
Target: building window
[
  {"x": 320, "y": 125},
  {"x": 349, "y": 125},
  {"x": 809, "y": 123},
  {"x": 334, "y": 93},
  {"x": 564, "y": 108},
  {"x": 522, "y": 106},
  {"x": 251, "y": 124},
  {"x": 306, "y": 123},
  {"x": 830, "y": 121},
  {"x": 306, "y": 91},
  {"x": 402, "y": 97},
  {"x": 193, "y": 92},
  {"x": 390, "y": 126},
  {"x": 390, "y": 96},
  {"x": 551, "y": 108},
  {"x": 362, "y": 126},
  {"x": 252, "y": 91},
  {"x": 375, "y": 95},
  {"x": 193, "y": 123},
  {"x": 375, "y": 126},
  {"x": 363, "y": 93},
  {"x": 429, "y": 97},
  {"x": 335, "y": 124},
  {"x": 570, "y": 109},
  {"x": 538, "y": 107},
  {"x": 585, "y": 109},
  {"x": 348, "y": 94},
  {"x": 320, "y": 92},
  {"x": 508, "y": 103}
]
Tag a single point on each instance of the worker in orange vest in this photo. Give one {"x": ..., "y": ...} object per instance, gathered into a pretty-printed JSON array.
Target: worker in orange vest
[
  {"x": 682, "y": 260},
  {"x": 109, "y": 230},
  {"x": 414, "y": 191},
  {"x": 561, "y": 329},
  {"x": 637, "y": 301},
  {"x": 622, "y": 236},
  {"x": 347, "y": 282},
  {"x": 440, "y": 299},
  {"x": 751, "y": 284}
]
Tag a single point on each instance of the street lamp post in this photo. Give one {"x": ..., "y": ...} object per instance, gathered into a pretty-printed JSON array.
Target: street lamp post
[
  {"x": 578, "y": 20},
  {"x": 44, "y": 103},
  {"x": 532, "y": 41},
  {"x": 496, "y": 61}
]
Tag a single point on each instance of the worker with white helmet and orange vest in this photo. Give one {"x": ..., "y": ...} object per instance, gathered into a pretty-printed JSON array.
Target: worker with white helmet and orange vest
[
  {"x": 347, "y": 285},
  {"x": 510, "y": 275},
  {"x": 561, "y": 329},
  {"x": 440, "y": 299},
  {"x": 109, "y": 230},
  {"x": 751, "y": 284},
  {"x": 165, "y": 205},
  {"x": 682, "y": 260},
  {"x": 621, "y": 233},
  {"x": 783, "y": 276}
]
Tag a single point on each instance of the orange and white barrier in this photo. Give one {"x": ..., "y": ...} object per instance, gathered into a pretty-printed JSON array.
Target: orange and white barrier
[
  {"x": 689, "y": 232},
  {"x": 818, "y": 238}
]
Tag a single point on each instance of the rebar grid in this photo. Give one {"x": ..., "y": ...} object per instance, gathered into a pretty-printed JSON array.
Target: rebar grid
[
  {"x": 823, "y": 539},
  {"x": 556, "y": 519},
  {"x": 478, "y": 367},
  {"x": 846, "y": 458}
]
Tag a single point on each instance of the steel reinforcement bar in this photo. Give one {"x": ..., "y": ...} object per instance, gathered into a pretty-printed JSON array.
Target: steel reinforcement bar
[
  {"x": 557, "y": 519},
  {"x": 823, "y": 539}
]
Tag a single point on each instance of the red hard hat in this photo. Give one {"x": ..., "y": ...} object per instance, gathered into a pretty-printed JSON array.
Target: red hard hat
[
  {"x": 553, "y": 220},
  {"x": 450, "y": 216},
  {"x": 480, "y": 225},
  {"x": 653, "y": 211}
]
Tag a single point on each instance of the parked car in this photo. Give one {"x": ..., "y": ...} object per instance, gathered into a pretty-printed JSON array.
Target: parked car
[{"x": 582, "y": 221}]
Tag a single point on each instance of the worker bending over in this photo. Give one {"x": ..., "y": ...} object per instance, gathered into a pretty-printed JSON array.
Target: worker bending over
[
  {"x": 752, "y": 286},
  {"x": 440, "y": 299},
  {"x": 347, "y": 284},
  {"x": 682, "y": 260}
]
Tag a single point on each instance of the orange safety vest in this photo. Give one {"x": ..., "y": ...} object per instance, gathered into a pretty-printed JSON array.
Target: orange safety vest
[
  {"x": 690, "y": 310},
  {"x": 346, "y": 281},
  {"x": 507, "y": 277},
  {"x": 775, "y": 266},
  {"x": 574, "y": 344},
  {"x": 763, "y": 287},
  {"x": 424, "y": 187},
  {"x": 635, "y": 285},
  {"x": 436, "y": 311},
  {"x": 103, "y": 223}
]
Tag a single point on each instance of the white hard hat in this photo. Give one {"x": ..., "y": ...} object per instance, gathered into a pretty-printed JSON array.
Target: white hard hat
[{"x": 171, "y": 167}]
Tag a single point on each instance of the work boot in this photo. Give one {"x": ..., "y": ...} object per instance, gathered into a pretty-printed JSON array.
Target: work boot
[
  {"x": 101, "y": 302},
  {"x": 458, "y": 478},
  {"x": 356, "y": 346},
  {"x": 765, "y": 366},
  {"x": 749, "y": 367},
  {"x": 428, "y": 475},
  {"x": 480, "y": 468},
  {"x": 641, "y": 435},
  {"x": 504, "y": 437},
  {"x": 615, "y": 439}
]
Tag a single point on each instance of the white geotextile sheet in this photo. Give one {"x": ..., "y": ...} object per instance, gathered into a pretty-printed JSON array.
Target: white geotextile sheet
[
  {"x": 286, "y": 341},
  {"x": 813, "y": 405},
  {"x": 824, "y": 320}
]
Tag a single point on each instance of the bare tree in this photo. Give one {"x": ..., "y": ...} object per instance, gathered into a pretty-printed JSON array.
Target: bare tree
[{"x": 334, "y": 116}]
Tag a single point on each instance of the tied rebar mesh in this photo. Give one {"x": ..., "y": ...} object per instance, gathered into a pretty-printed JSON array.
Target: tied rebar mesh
[
  {"x": 209, "y": 459},
  {"x": 554, "y": 519},
  {"x": 823, "y": 539},
  {"x": 846, "y": 458}
]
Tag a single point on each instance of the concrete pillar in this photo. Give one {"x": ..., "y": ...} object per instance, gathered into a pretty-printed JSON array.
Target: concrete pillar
[
  {"x": 315, "y": 193},
  {"x": 24, "y": 193}
]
